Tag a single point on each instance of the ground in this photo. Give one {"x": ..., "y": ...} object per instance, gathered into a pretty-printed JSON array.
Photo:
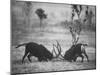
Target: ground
[{"x": 47, "y": 39}]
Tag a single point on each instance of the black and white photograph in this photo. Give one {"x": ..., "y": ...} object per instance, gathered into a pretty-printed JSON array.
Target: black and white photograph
[{"x": 52, "y": 37}]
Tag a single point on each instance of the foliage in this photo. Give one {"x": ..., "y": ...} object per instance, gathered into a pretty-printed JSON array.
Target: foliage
[
  {"x": 27, "y": 8},
  {"x": 75, "y": 25},
  {"x": 77, "y": 9},
  {"x": 41, "y": 15}
]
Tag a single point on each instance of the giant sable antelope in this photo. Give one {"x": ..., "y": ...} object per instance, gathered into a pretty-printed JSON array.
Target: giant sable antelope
[
  {"x": 75, "y": 51},
  {"x": 39, "y": 51}
]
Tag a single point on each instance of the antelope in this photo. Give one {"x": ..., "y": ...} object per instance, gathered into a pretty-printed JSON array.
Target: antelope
[
  {"x": 75, "y": 51},
  {"x": 39, "y": 51}
]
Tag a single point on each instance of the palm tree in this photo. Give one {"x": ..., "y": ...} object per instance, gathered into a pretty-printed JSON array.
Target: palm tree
[{"x": 41, "y": 15}]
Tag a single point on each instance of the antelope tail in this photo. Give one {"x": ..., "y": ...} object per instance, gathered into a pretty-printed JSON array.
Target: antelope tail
[{"x": 20, "y": 45}]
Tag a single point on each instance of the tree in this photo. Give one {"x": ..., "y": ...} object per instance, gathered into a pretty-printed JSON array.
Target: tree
[
  {"x": 77, "y": 9},
  {"x": 75, "y": 30},
  {"x": 27, "y": 9},
  {"x": 41, "y": 15},
  {"x": 75, "y": 27},
  {"x": 89, "y": 15}
]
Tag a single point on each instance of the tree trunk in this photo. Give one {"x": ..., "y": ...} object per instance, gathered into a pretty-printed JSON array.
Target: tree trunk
[
  {"x": 40, "y": 24},
  {"x": 75, "y": 36}
]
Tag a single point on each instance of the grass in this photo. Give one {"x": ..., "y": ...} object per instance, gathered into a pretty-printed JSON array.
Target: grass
[
  {"x": 47, "y": 39},
  {"x": 51, "y": 66}
]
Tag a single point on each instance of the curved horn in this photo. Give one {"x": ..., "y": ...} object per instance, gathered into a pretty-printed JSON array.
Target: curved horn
[
  {"x": 57, "y": 55},
  {"x": 54, "y": 49},
  {"x": 59, "y": 49}
]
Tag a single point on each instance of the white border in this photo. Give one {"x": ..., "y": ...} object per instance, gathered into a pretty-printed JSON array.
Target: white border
[{"x": 5, "y": 36}]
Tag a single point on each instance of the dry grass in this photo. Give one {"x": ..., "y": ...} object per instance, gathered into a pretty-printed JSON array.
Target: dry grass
[
  {"x": 51, "y": 66},
  {"x": 54, "y": 65}
]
